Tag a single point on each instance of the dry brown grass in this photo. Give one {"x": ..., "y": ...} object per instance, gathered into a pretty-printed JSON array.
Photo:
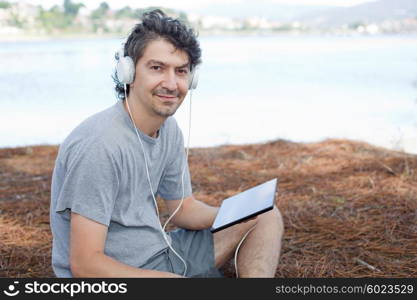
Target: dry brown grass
[{"x": 349, "y": 208}]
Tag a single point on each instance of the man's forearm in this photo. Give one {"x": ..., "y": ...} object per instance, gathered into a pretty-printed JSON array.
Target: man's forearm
[
  {"x": 196, "y": 215},
  {"x": 101, "y": 265}
]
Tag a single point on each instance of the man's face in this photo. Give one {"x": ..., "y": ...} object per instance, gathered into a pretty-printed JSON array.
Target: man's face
[{"x": 161, "y": 78}]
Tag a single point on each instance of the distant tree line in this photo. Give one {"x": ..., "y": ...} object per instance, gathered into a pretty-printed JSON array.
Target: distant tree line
[
  {"x": 4, "y": 4},
  {"x": 74, "y": 18},
  {"x": 67, "y": 17}
]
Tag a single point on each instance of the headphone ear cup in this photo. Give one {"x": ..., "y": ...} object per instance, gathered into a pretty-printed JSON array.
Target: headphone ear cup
[
  {"x": 194, "y": 78},
  {"x": 125, "y": 70}
]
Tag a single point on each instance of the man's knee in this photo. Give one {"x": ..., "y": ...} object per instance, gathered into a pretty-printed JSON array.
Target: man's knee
[
  {"x": 273, "y": 218},
  {"x": 226, "y": 241}
]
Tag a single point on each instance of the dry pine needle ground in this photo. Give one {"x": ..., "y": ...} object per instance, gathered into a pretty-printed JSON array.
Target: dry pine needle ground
[{"x": 349, "y": 208}]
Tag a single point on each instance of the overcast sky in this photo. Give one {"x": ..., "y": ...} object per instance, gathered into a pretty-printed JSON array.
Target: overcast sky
[{"x": 184, "y": 4}]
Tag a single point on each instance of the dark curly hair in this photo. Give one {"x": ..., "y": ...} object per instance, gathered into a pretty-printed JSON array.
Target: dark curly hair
[{"x": 155, "y": 25}]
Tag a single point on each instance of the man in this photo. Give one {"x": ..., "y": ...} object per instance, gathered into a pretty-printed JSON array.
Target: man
[{"x": 103, "y": 215}]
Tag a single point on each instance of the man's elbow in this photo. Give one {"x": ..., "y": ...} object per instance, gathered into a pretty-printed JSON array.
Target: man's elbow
[
  {"x": 83, "y": 266},
  {"x": 77, "y": 268},
  {"x": 179, "y": 218},
  {"x": 179, "y": 223}
]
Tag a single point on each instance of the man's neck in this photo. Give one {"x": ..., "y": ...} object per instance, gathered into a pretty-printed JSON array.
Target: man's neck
[{"x": 147, "y": 124}]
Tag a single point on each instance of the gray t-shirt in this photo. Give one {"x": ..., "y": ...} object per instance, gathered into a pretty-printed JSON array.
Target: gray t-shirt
[{"x": 100, "y": 174}]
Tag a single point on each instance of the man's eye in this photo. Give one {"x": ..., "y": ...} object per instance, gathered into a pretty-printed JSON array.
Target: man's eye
[
  {"x": 183, "y": 71},
  {"x": 156, "y": 68}
]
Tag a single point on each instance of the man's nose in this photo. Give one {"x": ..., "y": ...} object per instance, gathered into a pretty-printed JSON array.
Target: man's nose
[{"x": 170, "y": 81}]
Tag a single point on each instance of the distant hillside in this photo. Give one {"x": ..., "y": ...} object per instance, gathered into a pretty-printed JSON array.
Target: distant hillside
[
  {"x": 261, "y": 8},
  {"x": 364, "y": 13},
  {"x": 313, "y": 15}
]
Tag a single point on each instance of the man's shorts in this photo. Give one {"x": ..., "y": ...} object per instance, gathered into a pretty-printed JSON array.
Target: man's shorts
[{"x": 196, "y": 247}]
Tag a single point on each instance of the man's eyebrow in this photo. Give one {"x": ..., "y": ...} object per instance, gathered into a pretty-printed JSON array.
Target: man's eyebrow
[
  {"x": 157, "y": 62},
  {"x": 184, "y": 65}
]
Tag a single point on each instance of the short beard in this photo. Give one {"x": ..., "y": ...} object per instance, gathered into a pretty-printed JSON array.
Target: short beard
[
  {"x": 168, "y": 112},
  {"x": 164, "y": 113}
]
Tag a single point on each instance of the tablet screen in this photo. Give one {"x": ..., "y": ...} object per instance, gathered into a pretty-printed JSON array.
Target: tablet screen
[{"x": 245, "y": 205}]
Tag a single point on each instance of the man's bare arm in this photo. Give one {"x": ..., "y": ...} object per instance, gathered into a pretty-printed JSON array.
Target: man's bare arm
[
  {"x": 87, "y": 256},
  {"x": 193, "y": 214}
]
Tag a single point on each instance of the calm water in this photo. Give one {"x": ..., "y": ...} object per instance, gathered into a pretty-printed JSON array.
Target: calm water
[{"x": 251, "y": 89}]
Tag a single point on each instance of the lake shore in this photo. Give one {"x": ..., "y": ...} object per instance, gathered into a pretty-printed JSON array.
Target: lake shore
[
  {"x": 29, "y": 37},
  {"x": 89, "y": 36},
  {"x": 348, "y": 207}
]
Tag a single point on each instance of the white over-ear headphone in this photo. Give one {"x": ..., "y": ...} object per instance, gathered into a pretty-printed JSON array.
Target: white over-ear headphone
[{"x": 125, "y": 70}]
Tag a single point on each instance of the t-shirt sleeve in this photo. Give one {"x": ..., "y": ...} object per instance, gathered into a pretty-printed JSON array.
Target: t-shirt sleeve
[
  {"x": 171, "y": 187},
  {"x": 90, "y": 181}
]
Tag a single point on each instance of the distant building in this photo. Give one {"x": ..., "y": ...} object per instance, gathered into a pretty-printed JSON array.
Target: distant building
[{"x": 214, "y": 22}]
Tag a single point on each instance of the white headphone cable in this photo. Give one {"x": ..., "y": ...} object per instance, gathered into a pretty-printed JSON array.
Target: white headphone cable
[
  {"x": 150, "y": 185},
  {"x": 182, "y": 178},
  {"x": 238, "y": 246},
  {"x": 183, "y": 189},
  {"x": 185, "y": 164}
]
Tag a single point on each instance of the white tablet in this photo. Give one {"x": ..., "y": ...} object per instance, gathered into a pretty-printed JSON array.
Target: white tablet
[{"x": 245, "y": 205}]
